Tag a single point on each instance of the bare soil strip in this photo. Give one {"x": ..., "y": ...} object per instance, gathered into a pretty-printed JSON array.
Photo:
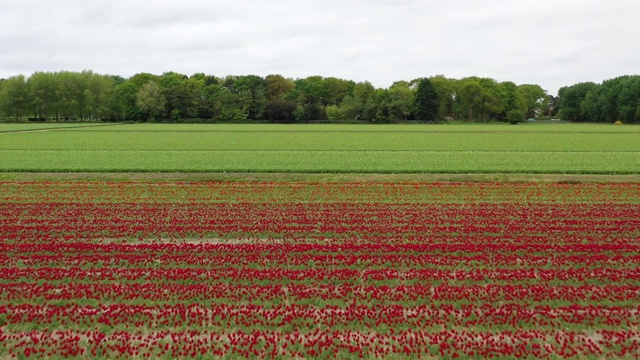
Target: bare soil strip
[{"x": 329, "y": 177}]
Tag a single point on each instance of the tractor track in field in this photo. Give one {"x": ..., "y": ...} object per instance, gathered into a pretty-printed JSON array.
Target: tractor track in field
[{"x": 24, "y": 131}]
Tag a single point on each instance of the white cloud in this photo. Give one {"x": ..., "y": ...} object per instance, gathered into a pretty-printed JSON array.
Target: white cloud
[{"x": 549, "y": 43}]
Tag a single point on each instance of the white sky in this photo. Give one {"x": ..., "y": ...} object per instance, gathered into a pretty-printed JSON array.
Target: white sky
[{"x": 551, "y": 43}]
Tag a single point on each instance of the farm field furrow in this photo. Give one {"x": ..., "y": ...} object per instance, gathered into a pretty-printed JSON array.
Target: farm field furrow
[{"x": 319, "y": 270}]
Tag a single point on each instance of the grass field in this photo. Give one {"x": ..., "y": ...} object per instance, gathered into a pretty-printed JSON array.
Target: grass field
[{"x": 531, "y": 148}]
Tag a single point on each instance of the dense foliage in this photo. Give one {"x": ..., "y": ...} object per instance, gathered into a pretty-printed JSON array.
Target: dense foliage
[
  {"x": 173, "y": 97},
  {"x": 614, "y": 99},
  {"x": 426, "y": 101}
]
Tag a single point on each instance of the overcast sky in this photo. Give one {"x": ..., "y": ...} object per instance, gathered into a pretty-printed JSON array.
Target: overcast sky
[{"x": 551, "y": 43}]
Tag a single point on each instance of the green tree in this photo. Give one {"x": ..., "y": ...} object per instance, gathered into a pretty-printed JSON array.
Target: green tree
[
  {"x": 533, "y": 98},
  {"x": 335, "y": 113},
  {"x": 363, "y": 106},
  {"x": 515, "y": 116},
  {"x": 446, "y": 95},
  {"x": 71, "y": 92},
  {"x": 510, "y": 99},
  {"x": 337, "y": 89},
  {"x": 122, "y": 103},
  {"x": 491, "y": 106},
  {"x": 253, "y": 92},
  {"x": 307, "y": 110},
  {"x": 468, "y": 98},
  {"x": 44, "y": 94},
  {"x": 596, "y": 106},
  {"x": 351, "y": 108},
  {"x": 277, "y": 86},
  {"x": 427, "y": 102},
  {"x": 571, "y": 98},
  {"x": 227, "y": 103},
  {"x": 15, "y": 96},
  {"x": 117, "y": 79},
  {"x": 207, "y": 105},
  {"x": 174, "y": 94},
  {"x": 98, "y": 94},
  {"x": 364, "y": 91},
  {"x": 312, "y": 99},
  {"x": 629, "y": 100},
  {"x": 150, "y": 100},
  {"x": 281, "y": 99},
  {"x": 381, "y": 112},
  {"x": 401, "y": 101},
  {"x": 281, "y": 110},
  {"x": 140, "y": 79},
  {"x": 192, "y": 95},
  {"x": 314, "y": 89}
]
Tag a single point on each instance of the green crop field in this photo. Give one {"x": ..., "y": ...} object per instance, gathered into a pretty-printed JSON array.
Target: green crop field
[{"x": 477, "y": 148}]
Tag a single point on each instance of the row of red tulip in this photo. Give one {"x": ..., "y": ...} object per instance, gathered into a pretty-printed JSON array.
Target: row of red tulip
[
  {"x": 335, "y": 273},
  {"x": 329, "y": 344},
  {"x": 523, "y": 223},
  {"x": 379, "y": 317},
  {"x": 319, "y": 270}
]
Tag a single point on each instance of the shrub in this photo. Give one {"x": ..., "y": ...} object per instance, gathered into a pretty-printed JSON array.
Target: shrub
[{"x": 515, "y": 116}]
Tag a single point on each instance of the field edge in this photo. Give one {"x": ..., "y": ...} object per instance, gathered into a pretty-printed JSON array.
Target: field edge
[{"x": 315, "y": 177}]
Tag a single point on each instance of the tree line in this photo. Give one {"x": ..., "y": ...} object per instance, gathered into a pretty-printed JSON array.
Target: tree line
[
  {"x": 174, "y": 97},
  {"x": 615, "y": 99}
]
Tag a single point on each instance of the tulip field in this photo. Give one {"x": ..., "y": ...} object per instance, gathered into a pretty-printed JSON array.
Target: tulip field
[{"x": 319, "y": 270}]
